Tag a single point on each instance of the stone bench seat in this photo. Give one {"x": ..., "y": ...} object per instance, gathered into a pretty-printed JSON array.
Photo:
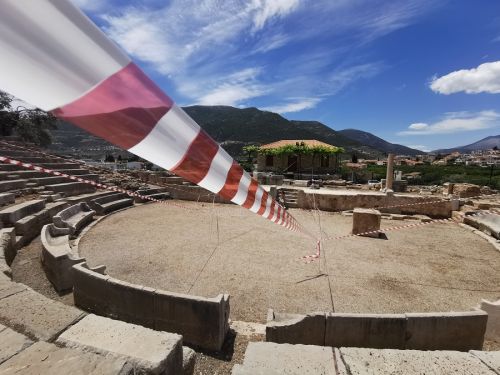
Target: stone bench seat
[
  {"x": 71, "y": 188},
  {"x": 201, "y": 321},
  {"x": 60, "y": 165},
  {"x": 29, "y": 227},
  {"x": 111, "y": 202},
  {"x": 74, "y": 217},
  {"x": 12, "y": 184},
  {"x": 148, "y": 351},
  {"x": 12, "y": 214},
  {"x": 57, "y": 256}
]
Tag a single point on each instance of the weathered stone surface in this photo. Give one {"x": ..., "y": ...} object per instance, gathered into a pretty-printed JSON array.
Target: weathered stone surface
[
  {"x": 147, "y": 350},
  {"x": 461, "y": 331},
  {"x": 188, "y": 360},
  {"x": 272, "y": 358},
  {"x": 71, "y": 188},
  {"x": 366, "y": 222},
  {"x": 295, "y": 328},
  {"x": 466, "y": 190},
  {"x": 57, "y": 257},
  {"x": 361, "y": 361},
  {"x": 12, "y": 185},
  {"x": 488, "y": 223},
  {"x": 8, "y": 288},
  {"x": 493, "y": 326},
  {"x": 11, "y": 343},
  {"x": 7, "y": 198},
  {"x": 366, "y": 330},
  {"x": 37, "y": 316},
  {"x": 74, "y": 217},
  {"x": 14, "y": 213},
  {"x": 44, "y": 358},
  {"x": 201, "y": 321},
  {"x": 490, "y": 359}
]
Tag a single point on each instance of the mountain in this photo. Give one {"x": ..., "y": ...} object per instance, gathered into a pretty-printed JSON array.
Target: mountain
[
  {"x": 378, "y": 143},
  {"x": 484, "y": 144},
  {"x": 232, "y": 126}
]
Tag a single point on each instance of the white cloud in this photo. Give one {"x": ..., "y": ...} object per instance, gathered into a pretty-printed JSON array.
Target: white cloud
[
  {"x": 418, "y": 126},
  {"x": 268, "y": 9},
  {"x": 295, "y": 105},
  {"x": 454, "y": 122},
  {"x": 201, "y": 44},
  {"x": 484, "y": 78}
]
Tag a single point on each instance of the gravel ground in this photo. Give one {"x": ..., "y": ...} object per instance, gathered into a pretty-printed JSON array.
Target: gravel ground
[
  {"x": 27, "y": 269},
  {"x": 211, "y": 249}
]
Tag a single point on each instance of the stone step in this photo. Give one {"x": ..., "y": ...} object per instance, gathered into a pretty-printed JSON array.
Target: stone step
[
  {"x": 9, "y": 167},
  {"x": 16, "y": 212},
  {"x": 12, "y": 185},
  {"x": 71, "y": 188},
  {"x": 11, "y": 343},
  {"x": 36, "y": 316},
  {"x": 149, "y": 351},
  {"x": 270, "y": 358},
  {"x": 7, "y": 198},
  {"x": 61, "y": 165},
  {"x": 44, "y": 358}
]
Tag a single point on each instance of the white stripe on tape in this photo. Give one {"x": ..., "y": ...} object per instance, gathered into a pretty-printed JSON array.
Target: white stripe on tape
[
  {"x": 56, "y": 43},
  {"x": 217, "y": 174},
  {"x": 169, "y": 140},
  {"x": 242, "y": 193}
]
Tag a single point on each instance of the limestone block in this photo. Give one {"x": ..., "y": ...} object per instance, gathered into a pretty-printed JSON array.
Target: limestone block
[
  {"x": 461, "y": 331},
  {"x": 148, "y": 351},
  {"x": 366, "y": 330},
  {"x": 7, "y": 198},
  {"x": 45, "y": 358},
  {"x": 271, "y": 358},
  {"x": 493, "y": 325},
  {"x": 466, "y": 190},
  {"x": 8, "y": 288},
  {"x": 11, "y": 343},
  {"x": 14, "y": 213},
  {"x": 36, "y": 315},
  {"x": 365, "y": 221},
  {"x": 490, "y": 359},
  {"x": 362, "y": 361},
  {"x": 295, "y": 328},
  {"x": 488, "y": 223},
  {"x": 12, "y": 185},
  {"x": 188, "y": 360}
]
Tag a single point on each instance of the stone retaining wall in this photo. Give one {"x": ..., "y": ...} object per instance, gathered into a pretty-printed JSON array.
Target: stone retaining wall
[
  {"x": 338, "y": 202},
  {"x": 193, "y": 193},
  {"x": 201, "y": 321},
  {"x": 461, "y": 331}
]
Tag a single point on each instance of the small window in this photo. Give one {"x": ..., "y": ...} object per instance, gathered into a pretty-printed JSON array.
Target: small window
[
  {"x": 325, "y": 161},
  {"x": 269, "y": 160}
]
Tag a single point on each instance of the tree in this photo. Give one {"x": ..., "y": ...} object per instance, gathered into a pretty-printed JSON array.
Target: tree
[
  {"x": 31, "y": 124},
  {"x": 354, "y": 158}
]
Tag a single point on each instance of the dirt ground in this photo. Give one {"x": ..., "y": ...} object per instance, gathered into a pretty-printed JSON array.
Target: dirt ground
[{"x": 210, "y": 249}]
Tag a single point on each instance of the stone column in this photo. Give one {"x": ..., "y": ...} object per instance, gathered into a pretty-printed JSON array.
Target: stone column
[{"x": 390, "y": 173}]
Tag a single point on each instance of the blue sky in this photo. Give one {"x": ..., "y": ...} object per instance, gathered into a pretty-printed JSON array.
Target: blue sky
[{"x": 423, "y": 73}]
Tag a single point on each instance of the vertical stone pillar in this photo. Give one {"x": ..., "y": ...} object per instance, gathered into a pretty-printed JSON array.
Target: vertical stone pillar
[{"x": 390, "y": 173}]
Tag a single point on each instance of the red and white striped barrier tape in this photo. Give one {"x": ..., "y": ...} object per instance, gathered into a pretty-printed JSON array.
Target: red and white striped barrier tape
[{"x": 96, "y": 86}]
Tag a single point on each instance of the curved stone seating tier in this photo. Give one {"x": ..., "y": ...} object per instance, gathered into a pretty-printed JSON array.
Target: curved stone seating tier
[
  {"x": 57, "y": 257},
  {"x": 12, "y": 185},
  {"x": 460, "y": 331},
  {"x": 201, "y": 321},
  {"x": 111, "y": 202},
  {"x": 71, "y": 188},
  {"x": 74, "y": 217},
  {"x": 156, "y": 193},
  {"x": 16, "y": 212}
]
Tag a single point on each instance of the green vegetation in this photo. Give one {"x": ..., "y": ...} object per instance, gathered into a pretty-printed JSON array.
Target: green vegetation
[
  {"x": 438, "y": 174},
  {"x": 32, "y": 125}
]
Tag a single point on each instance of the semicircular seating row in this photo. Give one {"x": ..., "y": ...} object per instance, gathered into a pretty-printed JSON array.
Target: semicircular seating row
[{"x": 63, "y": 209}]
